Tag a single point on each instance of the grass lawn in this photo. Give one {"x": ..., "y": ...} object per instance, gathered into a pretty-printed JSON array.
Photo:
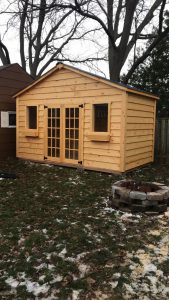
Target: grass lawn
[{"x": 59, "y": 239}]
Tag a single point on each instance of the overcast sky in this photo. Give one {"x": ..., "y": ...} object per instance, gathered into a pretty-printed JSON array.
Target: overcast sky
[{"x": 78, "y": 48}]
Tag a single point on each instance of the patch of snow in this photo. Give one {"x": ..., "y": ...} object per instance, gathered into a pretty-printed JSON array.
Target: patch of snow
[
  {"x": 129, "y": 288},
  {"x": 113, "y": 284},
  {"x": 132, "y": 267},
  {"x": 12, "y": 282},
  {"x": 63, "y": 253},
  {"x": 28, "y": 258},
  {"x": 83, "y": 269},
  {"x": 154, "y": 232},
  {"x": 21, "y": 241},
  {"x": 41, "y": 266},
  {"x": 116, "y": 275},
  {"x": 75, "y": 294},
  {"x": 109, "y": 209},
  {"x": 59, "y": 220},
  {"x": 41, "y": 278},
  {"x": 71, "y": 259},
  {"x": 48, "y": 255},
  {"x": 126, "y": 216},
  {"x": 36, "y": 288},
  {"x": 150, "y": 268},
  {"x": 50, "y": 266},
  {"x": 45, "y": 266},
  {"x": 58, "y": 278},
  {"x": 167, "y": 214}
]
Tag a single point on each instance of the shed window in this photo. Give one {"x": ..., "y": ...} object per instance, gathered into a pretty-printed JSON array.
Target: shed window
[
  {"x": 101, "y": 117},
  {"x": 32, "y": 117}
]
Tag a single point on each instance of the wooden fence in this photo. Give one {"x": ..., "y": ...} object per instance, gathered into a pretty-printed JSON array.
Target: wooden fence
[{"x": 162, "y": 140}]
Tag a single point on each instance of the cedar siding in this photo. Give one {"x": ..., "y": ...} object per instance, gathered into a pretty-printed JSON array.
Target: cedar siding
[
  {"x": 12, "y": 79},
  {"x": 66, "y": 87},
  {"x": 141, "y": 113}
]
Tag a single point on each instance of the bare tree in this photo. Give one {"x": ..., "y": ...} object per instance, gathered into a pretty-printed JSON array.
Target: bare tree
[
  {"x": 44, "y": 32},
  {"x": 4, "y": 54},
  {"x": 125, "y": 22}
]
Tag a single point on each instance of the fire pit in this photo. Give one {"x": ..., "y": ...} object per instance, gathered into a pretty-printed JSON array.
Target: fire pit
[{"x": 137, "y": 196}]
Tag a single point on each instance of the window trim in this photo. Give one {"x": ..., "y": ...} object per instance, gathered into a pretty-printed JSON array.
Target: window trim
[
  {"x": 28, "y": 131},
  {"x": 7, "y": 115},
  {"x": 99, "y": 135},
  {"x": 93, "y": 117}
]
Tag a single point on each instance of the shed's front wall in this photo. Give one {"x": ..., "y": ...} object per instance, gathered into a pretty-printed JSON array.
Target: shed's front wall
[
  {"x": 140, "y": 127},
  {"x": 64, "y": 88}
]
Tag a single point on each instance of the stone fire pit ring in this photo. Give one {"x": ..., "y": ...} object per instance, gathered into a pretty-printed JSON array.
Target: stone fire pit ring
[{"x": 135, "y": 196}]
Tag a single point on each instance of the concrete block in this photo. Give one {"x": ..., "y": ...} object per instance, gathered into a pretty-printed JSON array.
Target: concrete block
[
  {"x": 164, "y": 193},
  {"x": 149, "y": 203},
  {"x": 154, "y": 196},
  {"x": 125, "y": 193},
  {"x": 138, "y": 195}
]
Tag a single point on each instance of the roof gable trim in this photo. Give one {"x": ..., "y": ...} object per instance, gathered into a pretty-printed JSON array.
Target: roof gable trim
[{"x": 60, "y": 66}]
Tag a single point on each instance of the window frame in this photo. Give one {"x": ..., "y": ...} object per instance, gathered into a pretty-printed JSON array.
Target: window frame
[
  {"x": 99, "y": 135},
  {"x": 31, "y": 132},
  {"x": 7, "y": 113},
  {"x": 28, "y": 117},
  {"x": 93, "y": 117}
]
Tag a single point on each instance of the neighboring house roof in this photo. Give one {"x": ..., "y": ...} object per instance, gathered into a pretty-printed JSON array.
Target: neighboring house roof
[
  {"x": 3, "y": 67},
  {"x": 12, "y": 79},
  {"x": 118, "y": 85}
]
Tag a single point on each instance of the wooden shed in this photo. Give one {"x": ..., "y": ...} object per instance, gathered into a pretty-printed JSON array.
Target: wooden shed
[
  {"x": 12, "y": 79},
  {"x": 71, "y": 117}
]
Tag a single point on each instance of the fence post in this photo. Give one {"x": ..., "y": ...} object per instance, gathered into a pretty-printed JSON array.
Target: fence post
[{"x": 162, "y": 140}]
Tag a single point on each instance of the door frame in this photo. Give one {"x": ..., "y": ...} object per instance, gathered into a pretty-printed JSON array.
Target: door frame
[
  {"x": 80, "y": 152},
  {"x": 56, "y": 159},
  {"x": 62, "y": 158}
]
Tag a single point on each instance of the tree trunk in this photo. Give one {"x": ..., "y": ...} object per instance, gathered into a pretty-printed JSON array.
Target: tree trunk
[{"x": 115, "y": 62}]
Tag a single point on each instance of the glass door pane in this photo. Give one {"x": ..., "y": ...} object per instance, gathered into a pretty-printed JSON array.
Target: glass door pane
[
  {"x": 53, "y": 132},
  {"x": 72, "y": 133}
]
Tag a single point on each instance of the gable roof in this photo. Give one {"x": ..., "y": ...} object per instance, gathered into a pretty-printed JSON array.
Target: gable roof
[
  {"x": 115, "y": 84},
  {"x": 4, "y": 67},
  {"x": 13, "y": 79}
]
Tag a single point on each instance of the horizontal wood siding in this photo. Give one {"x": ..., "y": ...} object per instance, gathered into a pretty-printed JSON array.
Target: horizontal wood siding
[
  {"x": 105, "y": 154},
  {"x": 67, "y": 87},
  {"x": 8, "y": 142},
  {"x": 139, "y": 131}
]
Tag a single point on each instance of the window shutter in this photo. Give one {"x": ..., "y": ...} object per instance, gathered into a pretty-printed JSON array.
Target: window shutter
[{"x": 4, "y": 119}]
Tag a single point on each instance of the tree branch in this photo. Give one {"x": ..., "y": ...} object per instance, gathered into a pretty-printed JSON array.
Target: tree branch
[
  {"x": 78, "y": 9},
  {"x": 117, "y": 18},
  {"x": 102, "y": 8},
  {"x": 23, "y": 16},
  {"x": 4, "y": 54},
  {"x": 161, "y": 16},
  {"x": 128, "y": 20},
  {"x": 146, "y": 54},
  {"x": 52, "y": 58},
  {"x": 149, "y": 16},
  {"x": 56, "y": 27}
]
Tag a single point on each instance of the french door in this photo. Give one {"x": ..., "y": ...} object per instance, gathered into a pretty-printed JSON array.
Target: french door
[
  {"x": 64, "y": 134},
  {"x": 53, "y": 133}
]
